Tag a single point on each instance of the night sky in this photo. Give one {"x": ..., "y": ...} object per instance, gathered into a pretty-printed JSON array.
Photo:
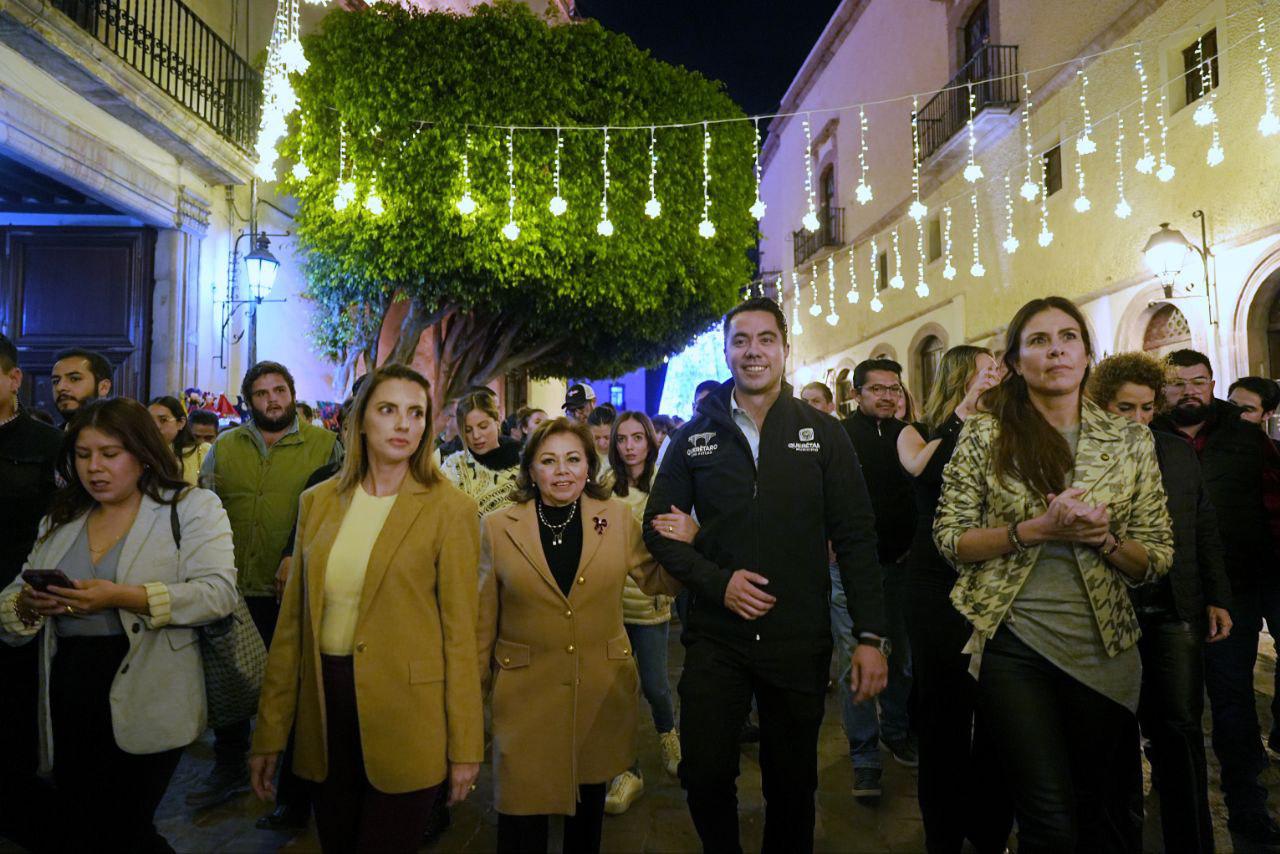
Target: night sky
[{"x": 755, "y": 47}]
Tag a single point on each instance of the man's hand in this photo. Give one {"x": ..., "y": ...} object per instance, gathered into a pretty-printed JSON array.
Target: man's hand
[
  {"x": 1219, "y": 624},
  {"x": 462, "y": 779},
  {"x": 869, "y": 672},
  {"x": 262, "y": 775},
  {"x": 282, "y": 576},
  {"x": 743, "y": 597}
]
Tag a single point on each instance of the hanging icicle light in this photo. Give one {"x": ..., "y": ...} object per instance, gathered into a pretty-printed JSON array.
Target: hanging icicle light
[
  {"x": 948, "y": 267},
  {"x": 466, "y": 205},
  {"x": 876, "y": 305},
  {"x": 1045, "y": 237},
  {"x": 1084, "y": 142},
  {"x": 814, "y": 308},
  {"x": 832, "y": 317},
  {"x": 1146, "y": 163},
  {"x": 1269, "y": 122},
  {"x": 1205, "y": 114},
  {"x": 558, "y": 205},
  {"x": 972, "y": 171},
  {"x": 1122, "y": 209},
  {"x": 977, "y": 270},
  {"x": 758, "y": 207},
  {"x": 922, "y": 287},
  {"x": 705, "y": 228},
  {"x": 1011, "y": 242},
  {"x": 917, "y": 211},
  {"x": 810, "y": 221},
  {"x": 653, "y": 207},
  {"x": 511, "y": 231},
  {"x": 604, "y": 227},
  {"x": 1166, "y": 170},
  {"x": 862, "y": 192},
  {"x": 796, "y": 327},
  {"x": 346, "y": 192},
  {"x": 897, "y": 282},
  {"x": 853, "y": 296},
  {"x": 1081, "y": 203},
  {"x": 1030, "y": 189}
]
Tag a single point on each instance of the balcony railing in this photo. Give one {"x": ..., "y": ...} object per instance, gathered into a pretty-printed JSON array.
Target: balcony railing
[
  {"x": 173, "y": 48},
  {"x": 994, "y": 73},
  {"x": 830, "y": 233}
]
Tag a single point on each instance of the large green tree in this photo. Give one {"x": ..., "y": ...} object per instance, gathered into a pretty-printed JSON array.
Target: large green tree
[{"x": 405, "y": 89}]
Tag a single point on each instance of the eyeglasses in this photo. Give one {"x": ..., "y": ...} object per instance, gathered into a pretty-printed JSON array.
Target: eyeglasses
[
  {"x": 1199, "y": 383},
  {"x": 879, "y": 390}
]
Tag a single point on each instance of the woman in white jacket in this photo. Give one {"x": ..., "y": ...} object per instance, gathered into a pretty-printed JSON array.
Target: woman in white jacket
[{"x": 121, "y": 680}]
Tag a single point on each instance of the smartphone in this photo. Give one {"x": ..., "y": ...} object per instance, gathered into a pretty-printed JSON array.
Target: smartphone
[{"x": 43, "y": 579}]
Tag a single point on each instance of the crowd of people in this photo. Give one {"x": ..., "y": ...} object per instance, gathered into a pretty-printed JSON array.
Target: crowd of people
[{"x": 1018, "y": 590}]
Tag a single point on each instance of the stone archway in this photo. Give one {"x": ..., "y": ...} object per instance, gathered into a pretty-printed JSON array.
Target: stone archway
[
  {"x": 1167, "y": 330},
  {"x": 1256, "y": 326}
]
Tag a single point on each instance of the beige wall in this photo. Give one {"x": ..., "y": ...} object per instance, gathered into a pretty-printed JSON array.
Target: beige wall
[{"x": 1095, "y": 257}]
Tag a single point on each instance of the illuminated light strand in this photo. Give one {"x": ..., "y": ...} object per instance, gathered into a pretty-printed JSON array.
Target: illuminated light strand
[
  {"x": 1268, "y": 122},
  {"x": 976, "y": 270},
  {"x": 1011, "y": 242},
  {"x": 972, "y": 171},
  {"x": 604, "y": 227},
  {"x": 777, "y": 289},
  {"x": 948, "y": 267},
  {"x": 558, "y": 205},
  {"x": 897, "y": 282},
  {"x": 301, "y": 171},
  {"x": 862, "y": 192},
  {"x": 466, "y": 205},
  {"x": 1166, "y": 170},
  {"x": 653, "y": 207},
  {"x": 1123, "y": 209},
  {"x": 758, "y": 207},
  {"x": 876, "y": 305},
  {"x": 922, "y": 287},
  {"x": 1146, "y": 162},
  {"x": 853, "y": 296},
  {"x": 1204, "y": 114},
  {"x": 810, "y": 221},
  {"x": 511, "y": 231},
  {"x": 796, "y": 327},
  {"x": 918, "y": 210},
  {"x": 706, "y": 228},
  {"x": 1045, "y": 237},
  {"x": 832, "y": 316},
  {"x": 1030, "y": 189},
  {"x": 814, "y": 309},
  {"x": 346, "y": 192},
  {"x": 1084, "y": 142},
  {"x": 1081, "y": 203}
]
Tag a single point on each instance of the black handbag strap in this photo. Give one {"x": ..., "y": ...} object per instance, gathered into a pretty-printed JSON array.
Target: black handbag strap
[{"x": 174, "y": 524}]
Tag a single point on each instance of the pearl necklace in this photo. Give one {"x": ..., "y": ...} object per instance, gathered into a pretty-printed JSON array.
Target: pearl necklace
[{"x": 557, "y": 531}]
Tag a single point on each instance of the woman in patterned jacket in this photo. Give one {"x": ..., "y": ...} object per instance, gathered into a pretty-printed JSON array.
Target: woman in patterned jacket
[
  {"x": 487, "y": 466},
  {"x": 1050, "y": 509}
]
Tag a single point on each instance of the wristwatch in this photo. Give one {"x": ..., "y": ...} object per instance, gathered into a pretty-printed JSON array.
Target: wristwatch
[{"x": 883, "y": 644}]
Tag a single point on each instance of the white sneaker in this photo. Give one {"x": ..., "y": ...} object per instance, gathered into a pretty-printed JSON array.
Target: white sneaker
[
  {"x": 670, "y": 751},
  {"x": 623, "y": 792}
]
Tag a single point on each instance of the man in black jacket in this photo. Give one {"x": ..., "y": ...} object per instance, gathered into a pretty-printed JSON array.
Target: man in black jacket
[
  {"x": 771, "y": 481},
  {"x": 1234, "y": 458},
  {"x": 28, "y": 454},
  {"x": 873, "y": 428}
]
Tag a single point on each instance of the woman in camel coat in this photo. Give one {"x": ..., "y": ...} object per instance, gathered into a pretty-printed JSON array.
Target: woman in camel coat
[{"x": 552, "y": 641}]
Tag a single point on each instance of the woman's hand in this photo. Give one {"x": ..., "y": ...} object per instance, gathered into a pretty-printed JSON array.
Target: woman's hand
[
  {"x": 89, "y": 596},
  {"x": 32, "y": 601},
  {"x": 462, "y": 780},
  {"x": 985, "y": 380},
  {"x": 262, "y": 775},
  {"x": 676, "y": 525},
  {"x": 1068, "y": 519}
]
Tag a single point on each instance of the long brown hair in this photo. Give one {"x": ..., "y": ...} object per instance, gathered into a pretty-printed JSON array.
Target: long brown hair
[
  {"x": 422, "y": 465},
  {"x": 185, "y": 442},
  {"x": 129, "y": 423},
  {"x": 621, "y": 477},
  {"x": 1028, "y": 448},
  {"x": 959, "y": 365},
  {"x": 527, "y": 486}
]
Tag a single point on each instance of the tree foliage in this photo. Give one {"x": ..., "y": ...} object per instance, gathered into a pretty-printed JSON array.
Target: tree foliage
[{"x": 403, "y": 87}]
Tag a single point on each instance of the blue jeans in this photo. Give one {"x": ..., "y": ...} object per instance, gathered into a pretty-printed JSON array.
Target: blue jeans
[
  {"x": 862, "y": 725},
  {"x": 650, "y": 646}
]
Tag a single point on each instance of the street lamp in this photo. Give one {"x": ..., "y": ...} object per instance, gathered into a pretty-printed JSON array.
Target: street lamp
[
  {"x": 261, "y": 268},
  {"x": 1167, "y": 252}
]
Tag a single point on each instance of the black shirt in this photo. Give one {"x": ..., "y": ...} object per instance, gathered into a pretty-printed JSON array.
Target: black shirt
[
  {"x": 562, "y": 557},
  {"x": 926, "y": 564},
  {"x": 876, "y": 443},
  {"x": 28, "y": 454},
  {"x": 505, "y": 456}
]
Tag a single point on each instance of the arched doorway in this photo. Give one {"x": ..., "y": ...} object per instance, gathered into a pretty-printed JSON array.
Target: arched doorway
[
  {"x": 1166, "y": 331},
  {"x": 846, "y": 401}
]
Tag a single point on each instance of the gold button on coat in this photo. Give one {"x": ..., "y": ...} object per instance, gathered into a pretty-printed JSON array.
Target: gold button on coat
[
  {"x": 569, "y": 648},
  {"x": 582, "y": 579},
  {"x": 360, "y": 647}
]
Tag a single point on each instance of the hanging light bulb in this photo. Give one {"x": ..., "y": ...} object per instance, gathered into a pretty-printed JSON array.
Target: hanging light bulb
[
  {"x": 706, "y": 228},
  {"x": 758, "y": 207},
  {"x": 918, "y": 210},
  {"x": 810, "y": 220},
  {"x": 1122, "y": 209},
  {"x": 897, "y": 282},
  {"x": 814, "y": 308},
  {"x": 1084, "y": 142},
  {"x": 558, "y": 205},
  {"x": 1268, "y": 122},
  {"x": 1011, "y": 242},
  {"x": 604, "y": 227},
  {"x": 466, "y": 205},
  {"x": 862, "y": 192},
  {"x": 1030, "y": 189},
  {"x": 1146, "y": 163},
  {"x": 511, "y": 231},
  {"x": 972, "y": 171}
]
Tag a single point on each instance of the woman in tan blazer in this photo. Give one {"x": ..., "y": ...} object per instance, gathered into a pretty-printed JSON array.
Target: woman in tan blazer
[
  {"x": 374, "y": 653},
  {"x": 565, "y": 686}
]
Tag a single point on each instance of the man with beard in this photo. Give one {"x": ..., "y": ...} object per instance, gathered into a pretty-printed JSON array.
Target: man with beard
[
  {"x": 1238, "y": 463},
  {"x": 78, "y": 377},
  {"x": 259, "y": 470},
  {"x": 873, "y": 428}
]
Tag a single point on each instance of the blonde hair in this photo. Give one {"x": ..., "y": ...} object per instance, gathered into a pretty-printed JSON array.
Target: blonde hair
[
  {"x": 422, "y": 465},
  {"x": 484, "y": 401},
  {"x": 959, "y": 364}
]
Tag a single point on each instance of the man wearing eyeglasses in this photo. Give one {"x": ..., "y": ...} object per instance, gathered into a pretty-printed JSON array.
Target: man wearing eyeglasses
[
  {"x": 1239, "y": 466},
  {"x": 874, "y": 429}
]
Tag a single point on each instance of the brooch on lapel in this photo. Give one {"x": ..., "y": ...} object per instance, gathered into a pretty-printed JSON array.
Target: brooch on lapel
[{"x": 601, "y": 523}]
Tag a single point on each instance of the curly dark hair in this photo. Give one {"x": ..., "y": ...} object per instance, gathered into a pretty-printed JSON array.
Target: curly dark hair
[{"x": 1114, "y": 371}]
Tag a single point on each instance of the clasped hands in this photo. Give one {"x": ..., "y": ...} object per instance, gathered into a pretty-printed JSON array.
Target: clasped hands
[{"x": 1070, "y": 519}]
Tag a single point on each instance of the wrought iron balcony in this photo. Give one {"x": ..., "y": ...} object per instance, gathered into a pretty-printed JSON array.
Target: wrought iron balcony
[
  {"x": 173, "y": 48},
  {"x": 830, "y": 233},
  {"x": 993, "y": 71}
]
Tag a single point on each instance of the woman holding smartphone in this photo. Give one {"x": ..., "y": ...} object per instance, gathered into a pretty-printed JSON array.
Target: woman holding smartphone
[
  {"x": 147, "y": 559},
  {"x": 374, "y": 655}
]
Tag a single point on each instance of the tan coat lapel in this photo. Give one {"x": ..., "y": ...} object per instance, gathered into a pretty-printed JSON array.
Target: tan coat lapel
[
  {"x": 524, "y": 534},
  {"x": 329, "y": 514},
  {"x": 408, "y": 506},
  {"x": 149, "y": 511},
  {"x": 593, "y": 509}
]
